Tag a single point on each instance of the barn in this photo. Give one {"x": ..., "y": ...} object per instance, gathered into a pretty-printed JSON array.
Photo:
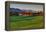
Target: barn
[
  {"x": 25, "y": 13},
  {"x": 19, "y": 12}
]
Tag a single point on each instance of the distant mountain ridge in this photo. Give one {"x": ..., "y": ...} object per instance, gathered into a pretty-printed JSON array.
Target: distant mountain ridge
[
  {"x": 15, "y": 10},
  {"x": 19, "y": 10}
]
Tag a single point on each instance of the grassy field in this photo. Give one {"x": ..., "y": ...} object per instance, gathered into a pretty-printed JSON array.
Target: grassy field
[{"x": 25, "y": 22}]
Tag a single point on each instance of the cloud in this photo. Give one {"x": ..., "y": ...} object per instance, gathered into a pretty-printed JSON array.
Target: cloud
[{"x": 27, "y": 6}]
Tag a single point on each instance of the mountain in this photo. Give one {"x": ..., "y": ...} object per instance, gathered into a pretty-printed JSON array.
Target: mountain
[
  {"x": 27, "y": 10},
  {"x": 15, "y": 10},
  {"x": 19, "y": 10}
]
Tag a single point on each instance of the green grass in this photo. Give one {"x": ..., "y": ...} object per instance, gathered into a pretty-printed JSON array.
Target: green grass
[{"x": 20, "y": 22}]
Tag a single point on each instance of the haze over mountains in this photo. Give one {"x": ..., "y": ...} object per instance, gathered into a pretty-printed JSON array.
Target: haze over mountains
[
  {"x": 27, "y": 7},
  {"x": 22, "y": 10}
]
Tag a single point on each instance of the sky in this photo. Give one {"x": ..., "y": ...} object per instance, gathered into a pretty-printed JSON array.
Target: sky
[{"x": 27, "y": 7}]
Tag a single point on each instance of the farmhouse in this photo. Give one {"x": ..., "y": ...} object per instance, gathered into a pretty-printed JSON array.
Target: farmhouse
[
  {"x": 38, "y": 13},
  {"x": 26, "y": 13},
  {"x": 19, "y": 12}
]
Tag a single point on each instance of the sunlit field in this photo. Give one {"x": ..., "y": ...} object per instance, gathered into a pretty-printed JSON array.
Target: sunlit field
[{"x": 25, "y": 22}]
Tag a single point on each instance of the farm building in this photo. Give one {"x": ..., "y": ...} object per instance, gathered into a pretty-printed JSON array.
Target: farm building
[
  {"x": 26, "y": 13},
  {"x": 19, "y": 12},
  {"x": 38, "y": 14}
]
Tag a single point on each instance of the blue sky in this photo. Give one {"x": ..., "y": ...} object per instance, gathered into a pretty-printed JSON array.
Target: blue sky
[{"x": 27, "y": 6}]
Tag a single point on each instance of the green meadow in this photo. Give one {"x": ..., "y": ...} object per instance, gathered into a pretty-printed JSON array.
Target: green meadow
[{"x": 25, "y": 22}]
